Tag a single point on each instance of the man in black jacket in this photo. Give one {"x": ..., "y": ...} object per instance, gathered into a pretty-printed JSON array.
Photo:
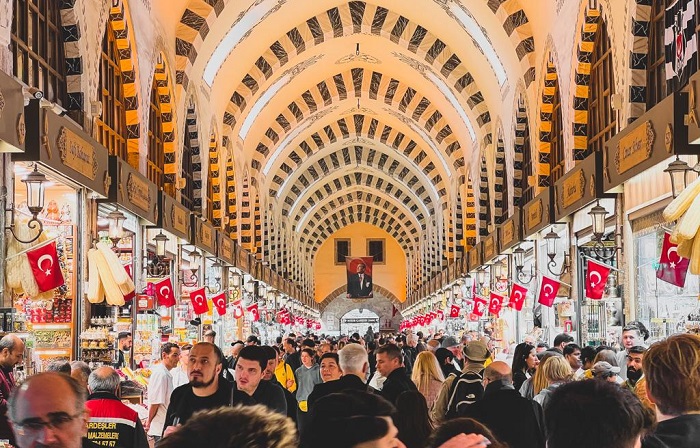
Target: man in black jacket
[
  {"x": 389, "y": 365},
  {"x": 353, "y": 362},
  {"x": 512, "y": 418},
  {"x": 292, "y": 356},
  {"x": 269, "y": 375},
  {"x": 250, "y": 368}
]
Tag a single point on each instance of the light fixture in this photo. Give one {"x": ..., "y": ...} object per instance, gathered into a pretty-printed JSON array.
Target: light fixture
[
  {"x": 216, "y": 266},
  {"x": 678, "y": 172},
  {"x": 116, "y": 226},
  {"x": 34, "y": 183},
  {"x": 523, "y": 277},
  {"x": 195, "y": 258},
  {"x": 160, "y": 241},
  {"x": 468, "y": 281},
  {"x": 250, "y": 285},
  {"x": 598, "y": 214},
  {"x": 551, "y": 240},
  {"x": 456, "y": 289},
  {"x": 235, "y": 278},
  {"x": 481, "y": 276},
  {"x": 602, "y": 250}
]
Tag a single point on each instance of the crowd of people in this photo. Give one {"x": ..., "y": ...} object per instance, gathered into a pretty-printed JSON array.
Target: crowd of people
[{"x": 408, "y": 391}]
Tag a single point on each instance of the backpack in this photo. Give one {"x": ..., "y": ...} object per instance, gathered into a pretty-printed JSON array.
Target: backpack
[{"x": 466, "y": 389}]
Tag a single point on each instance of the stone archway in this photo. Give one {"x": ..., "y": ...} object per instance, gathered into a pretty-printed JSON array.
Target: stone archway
[{"x": 389, "y": 315}]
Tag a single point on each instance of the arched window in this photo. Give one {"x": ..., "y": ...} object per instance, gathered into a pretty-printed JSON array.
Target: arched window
[
  {"x": 187, "y": 193},
  {"x": 156, "y": 158},
  {"x": 110, "y": 127},
  {"x": 602, "y": 119},
  {"x": 556, "y": 160},
  {"x": 37, "y": 47}
]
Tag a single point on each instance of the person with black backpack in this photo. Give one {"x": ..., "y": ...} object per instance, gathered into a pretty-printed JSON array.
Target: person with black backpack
[{"x": 457, "y": 392}]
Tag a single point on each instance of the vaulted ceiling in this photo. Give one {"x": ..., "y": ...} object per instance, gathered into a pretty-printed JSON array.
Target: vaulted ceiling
[{"x": 354, "y": 111}]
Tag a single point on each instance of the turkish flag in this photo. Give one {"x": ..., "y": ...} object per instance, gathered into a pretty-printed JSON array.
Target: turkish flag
[
  {"x": 473, "y": 317},
  {"x": 237, "y": 309},
  {"x": 45, "y": 267},
  {"x": 317, "y": 326},
  {"x": 441, "y": 315},
  {"x": 496, "y": 304},
  {"x": 164, "y": 293},
  {"x": 199, "y": 301},
  {"x": 287, "y": 317},
  {"x": 299, "y": 320},
  {"x": 254, "y": 312},
  {"x": 517, "y": 297},
  {"x": 548, "y": 291},
  {"x": 672, "y": 267},
  {"x": 596, "y": 279},
  {"x": 219, "y": 302},
  {"x": 454, "y": 311},
  {"x": 479, "y": 306},
  {"x": 132, "y": 294}
]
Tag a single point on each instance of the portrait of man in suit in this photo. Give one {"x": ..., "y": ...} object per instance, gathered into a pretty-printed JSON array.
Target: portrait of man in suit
[{"x": 359, "y": 282}]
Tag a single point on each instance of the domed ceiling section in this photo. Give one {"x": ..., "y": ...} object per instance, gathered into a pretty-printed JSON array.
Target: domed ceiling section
[{"x": 344, "y": 112}]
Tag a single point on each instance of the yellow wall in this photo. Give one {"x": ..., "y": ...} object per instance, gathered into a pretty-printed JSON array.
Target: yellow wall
[{"x": 392, "y": 275}]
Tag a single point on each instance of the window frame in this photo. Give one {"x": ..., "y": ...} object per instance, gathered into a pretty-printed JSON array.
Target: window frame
[
  {"x": 156, "y": 145},
  {"x": 557, "y": 157},
  {"x": 602, "y": 118},
  {"x": 336, "y": 253},
  {"x": 370, "y": 254},
  {"x": 527, "y": 189},
  {"x": 187, "y": 193}
]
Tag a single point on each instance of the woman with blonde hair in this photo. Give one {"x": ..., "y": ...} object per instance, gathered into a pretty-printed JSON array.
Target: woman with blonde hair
[
  {"x": 556, "y": 371},
  {"x": 428, "y": 376}
]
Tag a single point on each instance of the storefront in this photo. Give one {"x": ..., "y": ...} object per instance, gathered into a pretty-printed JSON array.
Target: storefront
[
  {"x": 204, "y": 238},
  {"x": 60, "y": 168},
  {"x": 639, "y": 160},
  {"x": 509, "y": 321},
  {"x": 230, "y": 322}
]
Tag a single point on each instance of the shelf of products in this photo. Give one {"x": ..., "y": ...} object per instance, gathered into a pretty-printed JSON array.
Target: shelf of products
[{"x": 97, "y": 345}]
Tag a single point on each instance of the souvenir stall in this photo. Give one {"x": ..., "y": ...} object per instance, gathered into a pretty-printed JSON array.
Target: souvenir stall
[{"x": 45, "y": 245}]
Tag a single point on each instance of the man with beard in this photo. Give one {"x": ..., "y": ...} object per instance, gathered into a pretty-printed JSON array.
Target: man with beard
[
  {"x": 207, "y": 389},
  {"x": 635, "y": 376},
  {"x": 124, "y": 342}
]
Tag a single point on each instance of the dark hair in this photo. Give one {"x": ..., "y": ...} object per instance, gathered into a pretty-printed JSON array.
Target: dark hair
[
  {"x": 594, "y": 413},
  {"x": 391, "y": 350},
  {"x": 278, "y": 340},
  {"x": 637, "y": 350},
  {"x": 371, "y": 345},
  {"x": 587, "y": 354},
  {"x": 600, "y": 348},
  {"x": 348, "y": 419},
  {"x": 571, "y": 348},
  {"x": 186, "y": 347},
  {"x": 254, "y": 339},
  {"x": 330, "y": 355},
  {"x": 561, "y": 338},
  {"x": 166, "y": 348},
  {"x": 254, "y": 353},
  {"x": 355, "y": 336},
  {"x": 276, "y": 349},
  {"x": 270, "y": 352},
  {"x": 308, "y": 351},
  {"x": 522, "y": 351},
  {"x": 309, "y": 343},
  {"x": 413, "y": 419},
  {"x": 542, "y": 345},
  {"x": 210, "y": 333},
  {"x": 291, "y": 342},
  {"x": 59, "y": 367},
  {"x": 123, "y": 335},
  {"x": 462, "y": 425},
  {"x": 637, "y": 325}
]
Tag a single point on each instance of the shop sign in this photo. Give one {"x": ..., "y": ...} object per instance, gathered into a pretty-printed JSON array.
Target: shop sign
[
  {"x": 226, "y": 249},
  {"x": 175, "y": 218},
  {"x": 509, "y": 232},
  {"x": 579, "y": 187},
  {"x": 686, "y": 117},
  {"x": 489, "y": 247},
  {"x": 204, "y": 235},
  {"x": 57, "y": 143},
  {"x": 635, "y": 147},
  {"x": 132, "y": 191},
  {"x": 243, "y": 260},
  {"x": 13, "y": 130},
  {"x": 474, "y": 258},
  {"x": 537, "y": 214}
]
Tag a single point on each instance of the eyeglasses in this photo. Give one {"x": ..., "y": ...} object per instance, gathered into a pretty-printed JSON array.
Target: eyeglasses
[{"x": 56, "y": 421}]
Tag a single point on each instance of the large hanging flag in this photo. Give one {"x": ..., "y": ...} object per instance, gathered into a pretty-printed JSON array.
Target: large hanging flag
[
  {"x": 45, "y": 266},
  {"x": 548, "y": 291},
  {"x": 681, "y": 44},
  {"x": 672, "y": 267},
  {"x": 237, "y": 309},
  {"x": 164, "y": 293},
  {"x": 479, "y": 306},
  {"x": 199, "y": 301},
  {"x": 254, "y": 312},
  {"x": 359, "y": 275},
  {"x": 517, "y": 297},
  {"x": 495, "y": 304},
  {"x": 596, "y": 278},
  {"x": 219, "y": 302}
]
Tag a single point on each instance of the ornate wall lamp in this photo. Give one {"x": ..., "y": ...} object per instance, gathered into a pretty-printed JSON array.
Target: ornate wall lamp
[
  {"x": 601, "y": 250},
  {"x": 34, "y": 182},
  {"x": 521, "y": 275},
  {"x": 195, "y": 260},
  {"x": 159, "y": 266},
  {"x": 551, "y": 240}
]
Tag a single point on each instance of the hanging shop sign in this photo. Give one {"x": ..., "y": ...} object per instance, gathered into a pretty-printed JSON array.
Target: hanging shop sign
[
  {"x": 244, "y": 260},
  {"x": 175, "y": 217},
  {"x": 56, "y": 142},
  {"x": 489, "y": 249},
  {"x": 509, "y": 232},
  {"x": 474, "y": 258},
  {"x": 687, "y": 118},
  {"x": 204, "y": 234},
  {"x": 227, "y": 249},
  {"x": 650, "y": 140},
  {"x": 538, "y": 213},
  {"x": 132, "y": 191},
  {"x": 579, "y": 187},
  {"x": 13, "y": 130}
]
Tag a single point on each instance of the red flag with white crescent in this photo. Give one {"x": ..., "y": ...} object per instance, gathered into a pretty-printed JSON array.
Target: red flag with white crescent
[
  {"x": 45, "y": 267},
  {"x": 254, "y": 312},
  {"x": 548, "y": 291},
  {"x": 495, "y": 304},
  {"x": 672, "y": 267},
  {"x": 441, "y": 315},
  {"x": 454, "y": 311},
  {"x": 479, "y": 306},
  {"x": 517, "y": 297},
  {"x": 219, "y": 302},
  {"x": 199, "y": 301},
  {"x": 132, "y": 294},
  {"x": 237, "y": 309},
  {"x": 164, "y": 293},
  {"x": 596, "y": 279}
]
